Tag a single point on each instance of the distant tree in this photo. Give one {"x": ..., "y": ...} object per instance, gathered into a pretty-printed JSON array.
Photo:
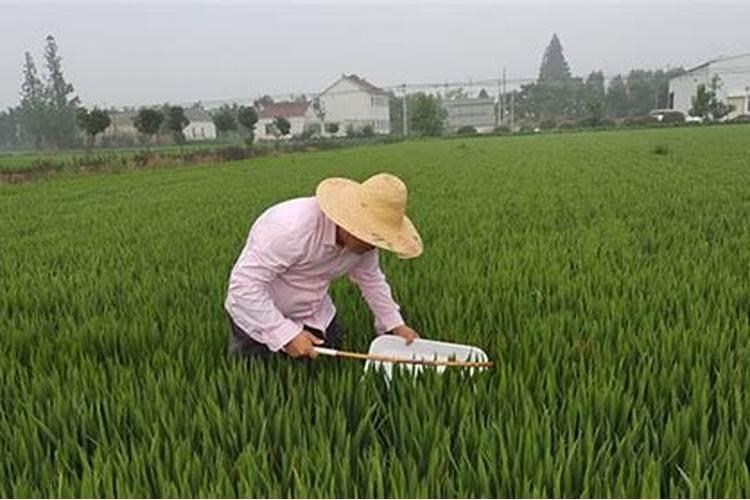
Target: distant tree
[
  {"x": 176, "y": 121},
  {"x": 483, "y": 94},
  {"x": 148, "y": 122},
  {"x": 554, "y": 67},
  {"x": 9, "y": 126},
  {"x": 617, "y": 97},
  {"x": 320, "y": 111},
  {"x": 33, "y": 108},
  {"x": 248, "y": 117},
  {"x": 93, "y": 123},
  {"x": 706, "y": 104},
  {"x": 224, "y": 120},
  {"x": 427, "y": 115},
  {"x": 62, "y": 105},
  {"x": 332, "y": 128},
  {"x": 260, "y": 103},
  {"x": 282, "y": 125}
]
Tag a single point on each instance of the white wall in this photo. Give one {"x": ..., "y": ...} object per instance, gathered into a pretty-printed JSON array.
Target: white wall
[
  {"x": 200, "y": 131},
  {"x": 735, "y": 81},
  {"x": 347, "y": 104}
]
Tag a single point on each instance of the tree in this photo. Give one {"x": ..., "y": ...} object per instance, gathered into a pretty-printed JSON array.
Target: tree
[
  {"x": 9, "y": 129},
  {"x": 61, "y": 121},
  {"x": 320, "y": 111},
  {"x": 617, "y": 97},
  {"x": 248, "y": 117},
  {"x": 176, "y": 121},
  {"x": 554, "y": 66},
  {"x": 706, "y": 104},
  {"x": 332, "y": 128},
  {"x": 148, "y": 122},
  {"x": 33, "y": 105},
  {"x": 282, "y": 125},
  {"x": 427, "y": 116},
  {"x": 263, "y": 101},
  {"x": 93, "y": 123},
  {"x": 483, "y": 94},
  {"x": 224, "y": 120}
]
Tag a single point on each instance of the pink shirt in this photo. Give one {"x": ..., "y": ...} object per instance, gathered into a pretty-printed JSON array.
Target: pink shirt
[{"x": 281, "y": 279}]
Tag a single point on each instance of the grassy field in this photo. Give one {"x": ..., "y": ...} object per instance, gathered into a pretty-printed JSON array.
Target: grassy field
[
  {"x": 609, "y": 284},
  {"x": 27, "y": 160}
]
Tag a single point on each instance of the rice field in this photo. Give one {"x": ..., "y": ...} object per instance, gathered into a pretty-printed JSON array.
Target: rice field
[{"x": 606, "y": 275}]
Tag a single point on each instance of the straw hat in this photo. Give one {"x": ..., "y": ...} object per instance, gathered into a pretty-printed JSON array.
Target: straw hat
[{"x": 373, "y": 211}]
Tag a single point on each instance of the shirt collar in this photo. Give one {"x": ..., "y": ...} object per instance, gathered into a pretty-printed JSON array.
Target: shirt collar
[{"x": 329, "y": 232}]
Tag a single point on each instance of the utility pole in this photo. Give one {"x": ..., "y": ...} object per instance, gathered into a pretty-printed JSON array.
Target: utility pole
[
  {"x": 403, "y": 111},
  {"x": 499, "y": 108},
  {"x": 504, "y": 94},
  {"x": 512, "y": 94}
]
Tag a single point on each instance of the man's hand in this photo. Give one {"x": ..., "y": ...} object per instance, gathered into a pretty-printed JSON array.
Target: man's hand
[
  {"x": 407, "y": 333},
  {"x": 303, "y": 345}
]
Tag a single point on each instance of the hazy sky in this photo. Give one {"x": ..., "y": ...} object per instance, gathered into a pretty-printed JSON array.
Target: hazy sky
[{"x": 118, "y": 53}]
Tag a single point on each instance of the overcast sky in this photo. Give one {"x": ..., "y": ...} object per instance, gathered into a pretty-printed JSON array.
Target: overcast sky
[{"x": 118, "y": 53}]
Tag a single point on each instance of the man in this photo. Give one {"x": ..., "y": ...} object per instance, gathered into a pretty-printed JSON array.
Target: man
[{"x": 278, "y": 297}]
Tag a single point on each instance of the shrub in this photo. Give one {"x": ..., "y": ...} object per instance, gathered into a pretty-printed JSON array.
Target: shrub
[
  {"x": 466, "y": 129},
  {"x": 673, "y": 117},
  {"x": 502, "y": 130},
  {"x": 640, "y": 121},
  {"x": 566, "y": 126},
  {"x": 547, "y": 124}
]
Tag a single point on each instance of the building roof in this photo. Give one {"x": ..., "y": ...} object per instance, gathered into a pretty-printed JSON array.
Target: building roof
[
  {"x": 360, "y": 82},
  {"x": 715, "y": 60},
  {"x": 284, "y": 109}
]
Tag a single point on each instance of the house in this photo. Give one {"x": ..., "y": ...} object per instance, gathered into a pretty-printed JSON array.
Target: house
[
  {"x": 353, "y": 102},
  {"x": 300, "y": 114},
  {"x": 201, "y": 126},
  {"x": 477, "y": 112},
  {"x": 121, "y": 123},
  {"x": 734, "y": 74}
]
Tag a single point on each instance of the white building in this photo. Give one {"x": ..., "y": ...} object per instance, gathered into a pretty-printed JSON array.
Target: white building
[
  {"x": 354, "y": 102},
  {"x": 477, "y": 112},
  {"x": 734, "y": 73},
  {"x": 201, "y": 126},
  {"x": 301, "y": 116}
]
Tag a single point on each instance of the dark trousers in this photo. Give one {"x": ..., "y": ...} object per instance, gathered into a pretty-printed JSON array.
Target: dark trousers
[{"x": 243, "y": 345}]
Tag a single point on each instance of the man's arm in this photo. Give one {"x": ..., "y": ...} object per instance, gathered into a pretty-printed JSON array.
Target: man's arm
[
  {"x": 377, "y": 293},
  {"x": 268, "y": 253}
]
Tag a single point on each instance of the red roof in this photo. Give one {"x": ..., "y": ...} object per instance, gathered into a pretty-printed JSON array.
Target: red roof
[{"x": 285, "y": 109}]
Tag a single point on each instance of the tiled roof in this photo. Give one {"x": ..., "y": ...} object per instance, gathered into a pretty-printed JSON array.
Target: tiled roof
[{"x": 285, "y": 109}]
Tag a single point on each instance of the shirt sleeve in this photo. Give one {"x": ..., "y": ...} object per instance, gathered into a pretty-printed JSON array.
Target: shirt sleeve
[
  {"x": 377, "y": 293},
  {"x": 268, "y": 253}
]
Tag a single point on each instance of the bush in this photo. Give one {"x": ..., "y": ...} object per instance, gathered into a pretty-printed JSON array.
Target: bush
[
  {"x": 367, "y": 131},
  {"x": 351, "y": 131},
  {"x": 466, "y": 129},
  {"x": 566, "y": 126},
  {"x": 502, "y": 130},
  {"x": 526, "y": 129},
  {"x": 232, "y": 153},
  {"x": 640, "y": 121},
  {"x": 608, "y": 123},
  {"x": 740, "y": 119},
  {"x": 673, "y": 117},
  {"x": 547, "y": 124}
]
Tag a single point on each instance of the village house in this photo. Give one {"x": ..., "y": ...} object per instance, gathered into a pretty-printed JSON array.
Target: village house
[
  {"x": 353, "y": 102},
  {"x": 300, "y": 114},
  {"x": 734, "y": 78}
]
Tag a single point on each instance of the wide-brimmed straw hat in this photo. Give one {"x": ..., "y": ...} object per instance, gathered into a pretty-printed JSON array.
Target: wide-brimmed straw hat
[{"x": 373, "y": 211}]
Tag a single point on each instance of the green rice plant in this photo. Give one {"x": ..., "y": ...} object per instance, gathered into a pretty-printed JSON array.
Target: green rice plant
[{"x": 607, "y": 283}]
